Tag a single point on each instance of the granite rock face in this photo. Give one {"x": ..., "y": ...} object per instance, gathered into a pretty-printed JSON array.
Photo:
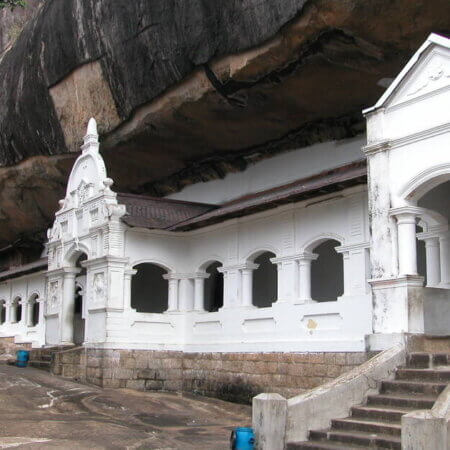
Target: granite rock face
[{"x": 188, "y": 90}]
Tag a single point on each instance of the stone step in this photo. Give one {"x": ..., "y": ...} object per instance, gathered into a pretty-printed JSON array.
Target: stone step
[
  {"x": 422, "y": 360},
  {"x": 409, "y": 387},
  {"x": 413, "y": 401},
  {"x": 388, "y": 414},
  {"x": 318, "y": 445},
  {"x": 357, "y": 438},
  {"x": 366, "y": 425},
  {"x": 424, "y": 374},
  {"x": 44, "y": 365}
]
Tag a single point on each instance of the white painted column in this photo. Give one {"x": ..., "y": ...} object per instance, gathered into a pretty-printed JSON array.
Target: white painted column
[
  {"x": 128, "y": 275},
  {"x": 173, "y": 293},
  {"x": 41, "y": 312},
  {"x": 68, "y": 304},
  {"x": 8, "y": 314},
  {"x": 304, "y": 263},
  {"x": 186, "y": 294},
  {"x": 199, "y": 291},
  {"x": 247, "y": 284},
  {"x": 30, "y": 307},
  {"x": 433, "y": 261},
  {"x": 445, "y": 259},
  {"x": 287, "y": 282},
  {"x": 407, "y": 248},
  {"x": 24, "y": 318}
]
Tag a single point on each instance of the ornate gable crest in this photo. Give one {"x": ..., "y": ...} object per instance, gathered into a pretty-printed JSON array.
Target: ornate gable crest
[{"x": 428, "y": 71}]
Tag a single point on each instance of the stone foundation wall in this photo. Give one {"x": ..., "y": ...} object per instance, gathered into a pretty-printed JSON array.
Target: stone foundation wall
[
  {"x": 8, "y": 348},
  {"x": 229, "y": 376}
]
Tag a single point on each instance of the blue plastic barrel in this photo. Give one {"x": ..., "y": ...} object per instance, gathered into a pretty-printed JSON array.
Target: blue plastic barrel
[
  {"x": 22, "y": 357},
  {"x": 242, "y": 438}
]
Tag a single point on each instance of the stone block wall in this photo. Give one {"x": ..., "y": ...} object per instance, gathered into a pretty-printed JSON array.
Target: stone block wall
[
  {"x": 229, "y": 376},
  {"x": 8, "y": 348}
]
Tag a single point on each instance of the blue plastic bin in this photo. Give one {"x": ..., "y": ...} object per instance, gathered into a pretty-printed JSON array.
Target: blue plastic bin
[
  {"x": 242, "y": 438},
  {"x": 22, "y": 358}
]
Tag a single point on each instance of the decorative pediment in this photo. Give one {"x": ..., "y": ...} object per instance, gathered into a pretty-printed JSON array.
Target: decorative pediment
[
  {"x": 431, "y": 74},
  {"x": 427, "y": 72}
]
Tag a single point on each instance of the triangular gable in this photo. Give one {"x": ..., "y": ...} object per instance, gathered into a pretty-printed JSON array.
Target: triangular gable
[{"x": 428, "y": 70}]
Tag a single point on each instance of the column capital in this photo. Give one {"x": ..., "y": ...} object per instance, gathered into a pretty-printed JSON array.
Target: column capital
[
  {"x": 307, "y": 256},
  {"x": 244, "y": 266},
  {"x": 406, "y": 214}
]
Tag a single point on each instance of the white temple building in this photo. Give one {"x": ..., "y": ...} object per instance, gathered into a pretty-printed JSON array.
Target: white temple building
[{"x": 338, "y": 247}]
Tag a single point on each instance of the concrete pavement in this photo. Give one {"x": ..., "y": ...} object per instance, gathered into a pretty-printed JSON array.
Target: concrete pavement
[{"x": 41, "y": 411}]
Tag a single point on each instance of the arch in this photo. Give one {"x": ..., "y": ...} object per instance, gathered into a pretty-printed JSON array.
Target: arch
[
  {"x": 157, "y": 262},
  {"x": 201, "y": 267},
  {"x": 258, "y": 251},
  {"x": 16, "y": 309},
  {"x": 265, "y": 280},
  {"x": 213, "y": 287},
  {"x": 313, "y": 243},
  {"x": 75, "y": 251},
  {"x": 34, "y": 306},
  {"x": 327, "y": 271},
  {"x": 2, "y": 311},
  {"x": 149, "y": 289},
  {"x": 423, "y": 182}
]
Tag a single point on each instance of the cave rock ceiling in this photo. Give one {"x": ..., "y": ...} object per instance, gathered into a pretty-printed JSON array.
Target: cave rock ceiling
[{"x": 189, "y": 90}]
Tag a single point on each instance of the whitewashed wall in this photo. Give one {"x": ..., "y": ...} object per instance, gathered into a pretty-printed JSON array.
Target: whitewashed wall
[
  {"x": 275, "y": 171},
  {"x": 24, "y": 288},
  {"x": 289, "y": 325},
  {"x": 408, "y": 142}
]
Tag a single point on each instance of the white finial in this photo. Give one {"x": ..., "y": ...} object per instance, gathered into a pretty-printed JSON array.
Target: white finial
[
  {"x": 92, "y": 127},
  {"x": 91, "y": 138}
]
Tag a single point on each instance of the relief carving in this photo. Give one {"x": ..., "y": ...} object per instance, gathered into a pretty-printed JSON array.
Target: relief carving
[
  {"x": 99, "y": 287},
  {"x": 53, "y": 294}
]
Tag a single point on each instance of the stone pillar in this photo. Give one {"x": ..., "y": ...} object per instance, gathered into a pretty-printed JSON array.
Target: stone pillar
[
  {"x": 68, "y": 303},
  {"x": 269, "y": 417},
  {"x": 304, "y": 261},
  {"x": 433, "y": 261},
  {"x": 173, "y": 292},
  {"x": 199, "y": 291},
  {"x": 128, "y": 274},
  {"x": 347, "y": 273},
  {"x": 445, "y": 259},
  {"x": 407, "y": 248},
  {"x": 247, "y": 284}
]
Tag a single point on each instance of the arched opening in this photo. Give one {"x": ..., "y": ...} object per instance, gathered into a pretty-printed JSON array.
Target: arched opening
[
  {"x": 265, "y": 281},
  {"x": 33, "y": 304},
  {"x": 149, "y": 290},
  {"x": 213, "y": 294},
  {"x": 327, "y": 272},
  {"x": 2, "y": 312},
  {"x": 433, "y": 252},
  {"x": 79, "y": 322},
  {"x": 16, "y": 310}
]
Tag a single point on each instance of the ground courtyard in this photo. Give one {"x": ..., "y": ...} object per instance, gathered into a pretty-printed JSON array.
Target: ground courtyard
[{"x": 41, "y": 411}]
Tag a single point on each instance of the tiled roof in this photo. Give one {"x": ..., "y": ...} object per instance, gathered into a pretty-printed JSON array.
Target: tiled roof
[
  {"x": 35, "y": 266},
  {"x": 176, "y": 215},
  {"x": 159, "y": 213},
  {"x": 323, "y": 183}
]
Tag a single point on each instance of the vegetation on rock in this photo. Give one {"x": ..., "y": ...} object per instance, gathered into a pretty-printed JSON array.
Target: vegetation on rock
[{"x": 11, "y": 3}]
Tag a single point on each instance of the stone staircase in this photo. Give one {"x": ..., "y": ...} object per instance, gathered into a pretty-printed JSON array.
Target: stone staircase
[{"x": 377, "y": 424}]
